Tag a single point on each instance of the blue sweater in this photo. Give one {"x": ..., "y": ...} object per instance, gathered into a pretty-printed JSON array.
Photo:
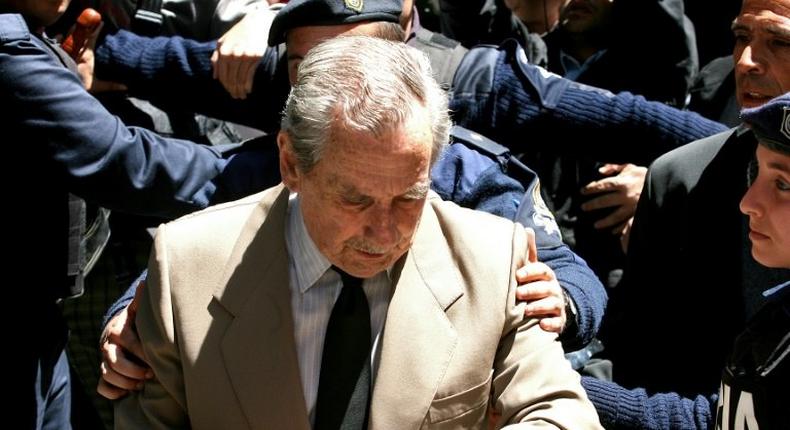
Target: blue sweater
[
  {"x": 495, "y": 92},
  {"x": 499, "y": 94}
]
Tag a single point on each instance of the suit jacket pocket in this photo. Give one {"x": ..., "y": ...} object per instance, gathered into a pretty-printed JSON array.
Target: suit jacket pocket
[{"x": 456, "y": 405}]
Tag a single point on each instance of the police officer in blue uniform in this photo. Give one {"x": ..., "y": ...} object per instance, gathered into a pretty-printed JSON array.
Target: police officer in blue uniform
[{"x": 754, "y": 392}]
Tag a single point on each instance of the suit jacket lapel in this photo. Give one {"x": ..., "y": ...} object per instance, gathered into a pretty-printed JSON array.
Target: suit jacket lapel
[
  {"x": 258, "y": 347},
  {"x": 418, "y": 339}
]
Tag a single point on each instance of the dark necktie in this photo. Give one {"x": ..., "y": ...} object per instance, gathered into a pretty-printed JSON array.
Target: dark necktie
[{"x": 344, "y": 385}]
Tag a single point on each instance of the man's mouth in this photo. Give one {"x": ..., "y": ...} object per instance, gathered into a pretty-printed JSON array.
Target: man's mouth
[
  {"x": 755, "y": 235},
  {"x": 754, "y": 99}
]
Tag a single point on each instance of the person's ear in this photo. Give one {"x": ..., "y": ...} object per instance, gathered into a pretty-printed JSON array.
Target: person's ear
[{"x": 288, "y": 165}]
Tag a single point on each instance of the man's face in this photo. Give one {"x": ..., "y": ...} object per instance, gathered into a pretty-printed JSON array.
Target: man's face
[
  {"x": 762, "y": 51},
  {"x": 40, "y": 13},
  {"x": 582, "y": 16},
  {"x": 767, "y": 203},
  {"x": 299, "y": 40},
  {"x": 362, "y": 201}
]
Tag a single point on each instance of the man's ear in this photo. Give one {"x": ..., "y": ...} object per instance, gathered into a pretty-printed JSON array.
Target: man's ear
[{"x": 288, "y": 168}]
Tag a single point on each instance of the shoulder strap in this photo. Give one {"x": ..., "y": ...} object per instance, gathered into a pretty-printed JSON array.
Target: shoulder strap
[
  {"x": 445, "y": 54},
  {"x": 479, "y": 142},
  {"x": 148, "y": 18}
]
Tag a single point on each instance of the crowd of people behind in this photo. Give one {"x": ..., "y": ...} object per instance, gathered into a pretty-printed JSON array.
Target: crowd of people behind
[{"x": 315, "y": 269}]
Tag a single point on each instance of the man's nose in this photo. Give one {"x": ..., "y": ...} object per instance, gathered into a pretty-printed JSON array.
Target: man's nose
[
  {"x": 381, "y": 225},
  {"x": 749, "y": 60}
]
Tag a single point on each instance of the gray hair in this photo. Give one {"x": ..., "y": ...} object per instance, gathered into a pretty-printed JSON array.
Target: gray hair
[
  {"x": 387, "y": 31},
  {"x": 362, "y": 84}
]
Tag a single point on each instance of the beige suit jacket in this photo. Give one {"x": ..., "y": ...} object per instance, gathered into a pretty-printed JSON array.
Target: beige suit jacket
[{"x": 216, "y": 325}]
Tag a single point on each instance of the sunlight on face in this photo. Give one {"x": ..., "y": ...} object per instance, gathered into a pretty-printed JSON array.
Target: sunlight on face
[
  {"x": 762, "y": 51},
  {"x": 363, "y": 200},
  {"x": 767, "y": 203}
]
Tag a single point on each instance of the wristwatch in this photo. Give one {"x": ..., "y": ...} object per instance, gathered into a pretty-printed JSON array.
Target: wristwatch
[{"x": 571, "y": 314}]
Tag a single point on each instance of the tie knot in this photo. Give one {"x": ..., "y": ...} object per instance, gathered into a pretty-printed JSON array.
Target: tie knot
[{"x": 348, "y": 280}]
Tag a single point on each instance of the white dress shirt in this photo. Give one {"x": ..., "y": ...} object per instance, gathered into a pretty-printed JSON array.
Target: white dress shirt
[{"x": 314, "y": 290}]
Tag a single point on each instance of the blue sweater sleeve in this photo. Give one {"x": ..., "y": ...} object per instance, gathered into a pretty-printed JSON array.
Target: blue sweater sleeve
[
  {"x": 176, "y": 74},
  {"x": 119, "y": 167},
  {"x": 620, "y": 408},
  {"x": 499, "y": 94}
]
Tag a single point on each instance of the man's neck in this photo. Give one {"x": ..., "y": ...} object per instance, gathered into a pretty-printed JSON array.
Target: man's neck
[
  {"x": 584, "y": 45},
  {"x": 581, "y": 46}
]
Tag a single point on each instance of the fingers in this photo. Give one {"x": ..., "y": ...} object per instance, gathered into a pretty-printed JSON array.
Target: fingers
[
  {"x": 542, "y": 304},
  {"x": 531, "y": 272},
  {"x": 621, "y": 192},
  {"x": 553, "y": 325},
  {"x": 615, "y": 218},
  {"x": 235, "y": 69},
  {"x": 628, "y": 177},
  {"x": 611, "y": 169},
  {"x": 536, "y": 291},
  {"x": 532, "y": 247},
  {"x": 119, "y": 373},
  {"x": 120, "y": 341},
  {"x": 122, "y": 367},
  {"x": 601, "y": 186},
  {"x": 109, "y": 391},
  {"x": 122, "y": 350},
  {"x": 550, "y": 310},
  {"x": 121, "y": 370},
  {"x": 538, "y": 286},
  {"x": 248, "y": 76},
  {"x": 240, "y": 80},
  {"x": 226, "y": 77},
  {"x": 604, "y": 201}
]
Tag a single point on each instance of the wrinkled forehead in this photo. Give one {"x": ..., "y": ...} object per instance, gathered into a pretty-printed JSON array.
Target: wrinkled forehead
[{"x": 764, "y": 8}]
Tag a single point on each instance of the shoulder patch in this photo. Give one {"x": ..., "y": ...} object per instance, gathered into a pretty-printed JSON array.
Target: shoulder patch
[{"x": 542, "y": 217}]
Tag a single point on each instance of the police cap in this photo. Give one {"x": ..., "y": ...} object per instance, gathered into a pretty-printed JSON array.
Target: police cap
[
  {"x": 771, "y": 123},
  {"x": 300, "y": 13}
]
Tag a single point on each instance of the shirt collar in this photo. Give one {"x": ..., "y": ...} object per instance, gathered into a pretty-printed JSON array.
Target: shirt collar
[
  {"x": 573, "y": 69},
  {"x": 307, "y": 262}
]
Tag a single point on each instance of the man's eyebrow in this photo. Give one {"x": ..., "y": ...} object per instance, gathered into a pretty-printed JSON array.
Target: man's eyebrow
[
  {"x": 417, "y": 191},
  {"x": 778, "y": 30},
  {"x": 291, "y": 57},
  {"x": 782, "y": 167},
  {"x": 737, "y": 25},
  {"x": 349, "y": 191},
  {"x": 774, "y": 29}
]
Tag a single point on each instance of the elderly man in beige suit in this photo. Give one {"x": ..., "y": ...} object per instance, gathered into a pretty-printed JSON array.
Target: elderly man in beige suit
[{"x": 240, "y": 320}]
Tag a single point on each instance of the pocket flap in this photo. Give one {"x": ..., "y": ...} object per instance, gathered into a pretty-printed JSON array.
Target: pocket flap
[{"x": 457, "y": 404}]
